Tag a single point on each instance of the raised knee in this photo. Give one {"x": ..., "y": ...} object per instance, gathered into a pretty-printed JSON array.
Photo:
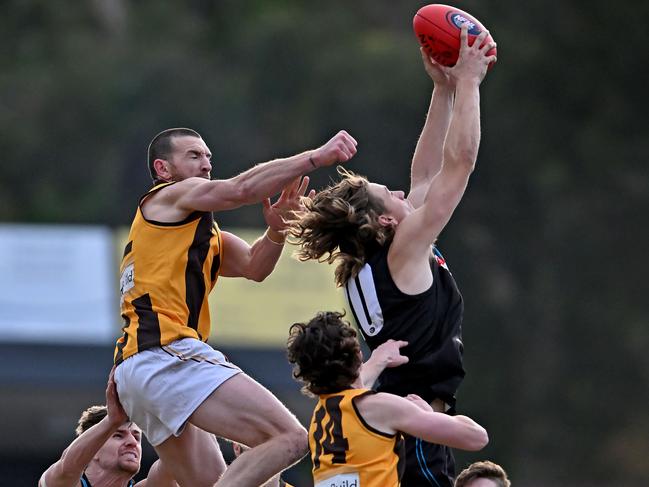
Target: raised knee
[{"x": 298, "y": 441}]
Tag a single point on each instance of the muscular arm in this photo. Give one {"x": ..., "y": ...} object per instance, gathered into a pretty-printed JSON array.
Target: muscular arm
[
  {"x": 255, "y": 261},
  {"x": 428, "y": 156},
  {"x": 76, "y": 457},
  {"x": 410, "y": 251},
  {"x": 390, "y": 413},
  {"x": 177, "y": 201}
]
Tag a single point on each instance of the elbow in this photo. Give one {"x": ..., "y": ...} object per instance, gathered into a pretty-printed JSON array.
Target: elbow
[
  {"x": 259, "y": 275},
  {"x": 479, "y": 439}
]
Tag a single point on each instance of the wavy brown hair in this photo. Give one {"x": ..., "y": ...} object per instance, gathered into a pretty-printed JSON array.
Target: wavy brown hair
[
  {"x": 90, "y": 417},
  {"x": 340, "y": 224},
  {"x": 483, "y": 470},
  {"x": 325, "y": 353}
]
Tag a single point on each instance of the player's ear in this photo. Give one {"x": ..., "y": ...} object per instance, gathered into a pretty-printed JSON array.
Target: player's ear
[
  {"x": 162, "y": 169},
  {"x": 387, "y": 221}
]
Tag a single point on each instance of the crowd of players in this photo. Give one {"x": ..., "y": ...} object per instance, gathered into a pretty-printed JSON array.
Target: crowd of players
[{"x": 386, "y": 422}]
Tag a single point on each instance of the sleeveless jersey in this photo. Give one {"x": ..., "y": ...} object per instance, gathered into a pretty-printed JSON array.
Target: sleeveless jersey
[
  {"x": 431, "y": 323},
  {"x": 346, "y": 451},
  {"x": 167, "y": 273}
]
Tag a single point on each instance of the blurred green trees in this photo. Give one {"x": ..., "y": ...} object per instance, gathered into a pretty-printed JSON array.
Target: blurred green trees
[{"x": 549, "y": 245}]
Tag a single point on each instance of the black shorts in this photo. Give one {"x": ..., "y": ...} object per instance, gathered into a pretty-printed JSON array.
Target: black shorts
[{"x": 427, "y": 464}]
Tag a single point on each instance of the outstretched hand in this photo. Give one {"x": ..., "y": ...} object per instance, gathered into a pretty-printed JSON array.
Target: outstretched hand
[
  {"x": 279, "y": 214},
  {"x": 389, "y": 353},
  {"x": 115, "y": 412},
  {"x": 340, "y": 148}
]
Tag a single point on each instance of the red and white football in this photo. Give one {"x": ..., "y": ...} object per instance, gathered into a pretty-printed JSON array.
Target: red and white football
[{"x": 438, "y": 27}]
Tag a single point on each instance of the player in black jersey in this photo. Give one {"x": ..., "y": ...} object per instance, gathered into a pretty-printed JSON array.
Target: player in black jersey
[
  {"x": 106, "y": 453},
  {"x": 396, "y": 281}
]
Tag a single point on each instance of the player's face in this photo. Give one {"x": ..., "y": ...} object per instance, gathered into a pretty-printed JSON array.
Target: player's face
[
  {"x": 395, "y": 203},
  {"x": 190, "y": 158},
  {"x": 122, "y": 451}
]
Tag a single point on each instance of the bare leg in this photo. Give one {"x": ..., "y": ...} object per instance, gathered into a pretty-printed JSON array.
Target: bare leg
[
  {"x": 194, "y": 458},
  {"x": 246, "y": 412}
]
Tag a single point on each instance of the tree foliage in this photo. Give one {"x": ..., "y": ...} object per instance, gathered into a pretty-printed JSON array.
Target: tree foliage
[{"x": 549, "y": 245}]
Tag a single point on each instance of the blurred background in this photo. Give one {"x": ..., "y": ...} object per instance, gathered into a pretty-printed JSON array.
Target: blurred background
[{"x": 549, "y": 245}]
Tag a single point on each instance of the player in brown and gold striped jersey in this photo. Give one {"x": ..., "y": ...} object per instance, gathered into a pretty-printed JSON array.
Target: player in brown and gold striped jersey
[
  {"x": 176, "y": 387},
  {"x": 355, "y": 433}
]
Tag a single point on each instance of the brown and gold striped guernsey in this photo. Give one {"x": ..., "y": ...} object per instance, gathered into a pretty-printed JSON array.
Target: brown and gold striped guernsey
[
  {"x": 167, "y": 273},
  {"x": 348, "y": 452}
]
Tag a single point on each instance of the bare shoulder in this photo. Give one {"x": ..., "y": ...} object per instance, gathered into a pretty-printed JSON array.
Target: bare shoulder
[
  {"x": 174, "y": 191},
  {"x": 166, "y": 204},
  {"x": 408, "y": 261},
  {"x": 378, "y": 410},
  {"x": 50, "y": 478}
]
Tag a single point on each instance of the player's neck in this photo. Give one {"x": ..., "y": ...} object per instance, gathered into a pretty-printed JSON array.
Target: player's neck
[{"x": 107, "y": 478}]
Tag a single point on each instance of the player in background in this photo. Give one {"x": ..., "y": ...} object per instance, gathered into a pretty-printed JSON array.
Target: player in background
[
  {"x": 384, "y": 356},
  {"x": 170, "y": 381},
  {"x": 396, "y": 281},
  {"x": 355, "y": 433},
  {"x": 106, "y": 453},
  {"x": 483, "y": 474}
]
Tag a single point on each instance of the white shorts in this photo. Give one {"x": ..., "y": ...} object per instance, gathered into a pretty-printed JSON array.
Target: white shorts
[{"x": 161, "y": 387}]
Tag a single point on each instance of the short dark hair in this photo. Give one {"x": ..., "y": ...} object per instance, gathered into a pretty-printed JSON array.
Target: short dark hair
[
  {"x": 160, "y": 146},
  {"x": 90, "y": 417},
  {"x": 325, "y": 353},
  {"x": 483, "y": 470}
]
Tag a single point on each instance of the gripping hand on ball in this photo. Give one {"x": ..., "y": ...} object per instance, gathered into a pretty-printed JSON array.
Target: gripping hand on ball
[
  {"x": 440, "y": 75},
  {"x": 473, "y": 60}
]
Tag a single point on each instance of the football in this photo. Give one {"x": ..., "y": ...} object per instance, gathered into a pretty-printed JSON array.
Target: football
[{"x": 438, "y": 27}]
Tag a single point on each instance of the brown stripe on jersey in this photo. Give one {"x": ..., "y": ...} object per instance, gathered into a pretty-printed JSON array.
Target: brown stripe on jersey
[
  {"x": 317, "y": 435},
  {"x": 216, "y": 264},
  {"x": 194, "y": 278},
  {"x": 400, "y": 452},
  {"x": 128, "y": 248},
  {"x": 119, "y": 355},
  {"x": 148, "y": 330}
]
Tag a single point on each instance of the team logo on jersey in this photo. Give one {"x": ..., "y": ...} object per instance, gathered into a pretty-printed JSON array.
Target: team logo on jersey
[
  {"x": 440, "y": 259},
  {"x": 341, "y": 480},
  {"x": 127, "y": 280}
]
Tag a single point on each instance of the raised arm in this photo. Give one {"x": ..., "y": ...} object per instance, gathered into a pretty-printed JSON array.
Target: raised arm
[
  {"x": 76, "y": 457},
  {"x": 390, "y": 413},
  {"x": 255, "y": 184},
  {"x": 427, "y": 159},
  {"x": 414, "y": 236}
]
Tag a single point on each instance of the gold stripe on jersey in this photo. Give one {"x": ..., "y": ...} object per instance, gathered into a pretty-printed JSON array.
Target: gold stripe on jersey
[
  {"x": 346, "y": 451},
  {"x": 167, "y": 273}
]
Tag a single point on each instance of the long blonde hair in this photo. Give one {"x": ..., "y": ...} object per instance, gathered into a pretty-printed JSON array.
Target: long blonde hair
[{"x": 340, "y": 224}]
